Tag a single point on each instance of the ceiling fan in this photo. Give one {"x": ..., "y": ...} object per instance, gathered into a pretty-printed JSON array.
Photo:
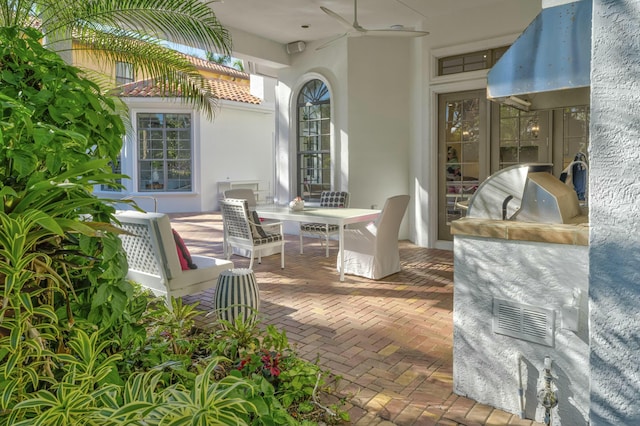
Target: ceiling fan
[{"x": 355, "y": 29}]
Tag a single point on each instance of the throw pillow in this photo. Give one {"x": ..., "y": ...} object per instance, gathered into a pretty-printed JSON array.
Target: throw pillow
[
  {"x": 256, "y": 229},
  {"x": 186, "y": 262}
]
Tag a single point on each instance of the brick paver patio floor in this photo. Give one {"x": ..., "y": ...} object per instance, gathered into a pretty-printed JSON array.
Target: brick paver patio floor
[{"x": 390, "y": 340}]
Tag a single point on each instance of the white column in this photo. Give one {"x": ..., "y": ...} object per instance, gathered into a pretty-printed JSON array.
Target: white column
[{"x": 614, "y": 201}]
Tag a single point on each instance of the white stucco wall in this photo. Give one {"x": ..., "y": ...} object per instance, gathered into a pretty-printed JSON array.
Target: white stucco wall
[
  {"x": 486, "y": 364},
  {"x": 379, "y": 113},
  {"x": 614, "y": 199},
  {"x": 238, "y": 144}
]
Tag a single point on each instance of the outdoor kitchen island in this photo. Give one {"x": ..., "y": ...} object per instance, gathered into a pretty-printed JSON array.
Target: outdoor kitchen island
[{"x": 520, "y": 296}]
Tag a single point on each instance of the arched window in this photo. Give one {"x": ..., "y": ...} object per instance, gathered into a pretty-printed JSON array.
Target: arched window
[{"x": 314, "y": 140}]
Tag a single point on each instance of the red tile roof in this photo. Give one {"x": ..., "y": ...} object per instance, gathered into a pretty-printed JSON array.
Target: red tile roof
[
  {"x": 203, "y": 64},
  {"x": 223, "y": 89}
]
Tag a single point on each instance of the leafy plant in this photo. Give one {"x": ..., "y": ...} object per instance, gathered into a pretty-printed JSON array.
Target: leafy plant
[
  {"x": 173, "y": 325},
  {"x": 265, "y": 356},
  {"x": 79, "y": 344},
  {"x": 59, "y": 134},
  {"x": 74, "y": 398},
  {"x": 234, "y": 338}
]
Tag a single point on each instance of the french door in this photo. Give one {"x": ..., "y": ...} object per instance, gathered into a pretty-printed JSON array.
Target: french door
[{"x": 463, "y": 153}]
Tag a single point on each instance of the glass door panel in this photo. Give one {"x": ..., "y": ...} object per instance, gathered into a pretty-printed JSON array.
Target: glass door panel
[
  {"x": 523, "y": 137},
  {"x": 462, "y": 146}
]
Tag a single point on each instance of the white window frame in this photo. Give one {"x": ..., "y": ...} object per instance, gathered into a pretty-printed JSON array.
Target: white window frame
[{"x": 135, "y": 154}]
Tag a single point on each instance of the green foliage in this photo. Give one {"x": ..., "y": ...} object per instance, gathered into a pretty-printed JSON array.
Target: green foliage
[
  {"x": 174, "y": 324},
  {"x": 79, "y": 344},
  {"x": 171, "y": 342},
  {"x": 266, "y": 357},
  {"x": 238, "y": 336},
  {"x": 207, "y": 402},
  {"x": 58, "y": 133},
  {"x": 52, "y": 120}
]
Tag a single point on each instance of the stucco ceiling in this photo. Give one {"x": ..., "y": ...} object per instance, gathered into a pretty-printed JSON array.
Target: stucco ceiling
[{"x": 282, "y": 21}]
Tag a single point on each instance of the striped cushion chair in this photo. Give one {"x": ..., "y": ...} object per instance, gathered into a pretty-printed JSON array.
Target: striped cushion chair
[
  {"x": 243, "y": 230},
  {"x": 335, "y": 199}
]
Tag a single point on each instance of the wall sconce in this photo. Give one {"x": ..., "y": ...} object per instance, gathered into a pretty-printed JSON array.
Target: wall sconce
[{"x": 533, "y": 128}]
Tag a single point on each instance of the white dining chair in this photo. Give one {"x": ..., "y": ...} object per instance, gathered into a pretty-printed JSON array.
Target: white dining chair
[{"x": 372, "y": 251}]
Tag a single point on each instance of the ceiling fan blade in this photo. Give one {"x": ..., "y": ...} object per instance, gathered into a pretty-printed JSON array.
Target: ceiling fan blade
[
  {"x": 337, "y": 17},
  {"x": 355, "y": 29},
  {"x": 397, "y": 33},
  {"x": 331, "y": 41}
]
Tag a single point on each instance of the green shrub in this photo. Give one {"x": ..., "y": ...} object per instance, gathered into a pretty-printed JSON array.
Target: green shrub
[{"x": 79, "y": 344}]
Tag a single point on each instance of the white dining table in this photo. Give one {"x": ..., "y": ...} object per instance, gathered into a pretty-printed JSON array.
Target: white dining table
[{"x": 327, "y": 215}]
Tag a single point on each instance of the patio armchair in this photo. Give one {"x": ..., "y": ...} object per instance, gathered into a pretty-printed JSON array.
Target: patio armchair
[
  {"x": 372, "y": 251},
  {"x": 250, "y": 196},
  {"x": 243, "y": 230},
  {"x": 331, "y": 199},
  {"x": 153, "y": 260}
]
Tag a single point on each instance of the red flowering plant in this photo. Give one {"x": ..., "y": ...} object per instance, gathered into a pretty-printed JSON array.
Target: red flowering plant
[
  {"x": 270, "y": 361},
  {"x": 264, "y": 362},
  {"x": 264, "y": 355}
]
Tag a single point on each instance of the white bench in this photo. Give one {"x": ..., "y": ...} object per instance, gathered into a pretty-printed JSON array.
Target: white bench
[{"x": 153, "y": 257}]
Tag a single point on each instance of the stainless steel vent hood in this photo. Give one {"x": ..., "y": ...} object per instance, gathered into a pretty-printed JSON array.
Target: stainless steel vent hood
[{"x": 549, "y": 65}]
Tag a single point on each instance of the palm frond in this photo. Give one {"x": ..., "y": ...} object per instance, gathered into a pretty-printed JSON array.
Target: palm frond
[
  {"x": 135, "y": 32},
  {"x": 173, "y": 73},
  {"x": 17, "y": 13},
  {"x": 189, "y": 22}
]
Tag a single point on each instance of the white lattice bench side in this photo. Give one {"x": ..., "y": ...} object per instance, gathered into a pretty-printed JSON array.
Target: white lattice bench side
[{"x": 153, "y": 258}]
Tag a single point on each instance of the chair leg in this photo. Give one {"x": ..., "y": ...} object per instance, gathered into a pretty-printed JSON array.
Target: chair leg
[
  {"x": 282, "y": 255},
  {"x": 301, "y": 249},
  {"x": 327, "y": 242}
]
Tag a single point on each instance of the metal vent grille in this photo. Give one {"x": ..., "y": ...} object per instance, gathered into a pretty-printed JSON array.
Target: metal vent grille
[{"x": 525, "y": 322}]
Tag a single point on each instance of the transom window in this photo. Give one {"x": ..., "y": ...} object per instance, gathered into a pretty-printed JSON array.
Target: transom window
[
  {"x": 164, "y": 152},
  {"x": 314, "y": 140},
  {"x": 472, "y": 61}
]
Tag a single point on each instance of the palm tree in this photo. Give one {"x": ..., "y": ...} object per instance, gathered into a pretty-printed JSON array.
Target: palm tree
[
  {"x": 225, "y": 60},
  {"x": 134, "y": 32}
]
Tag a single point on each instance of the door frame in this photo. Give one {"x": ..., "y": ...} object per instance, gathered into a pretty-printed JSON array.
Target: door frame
[{"x": 484, "y": 107}]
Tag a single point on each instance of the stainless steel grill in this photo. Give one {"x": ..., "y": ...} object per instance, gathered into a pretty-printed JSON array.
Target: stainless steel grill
[{"x": 526, "y": 193}]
